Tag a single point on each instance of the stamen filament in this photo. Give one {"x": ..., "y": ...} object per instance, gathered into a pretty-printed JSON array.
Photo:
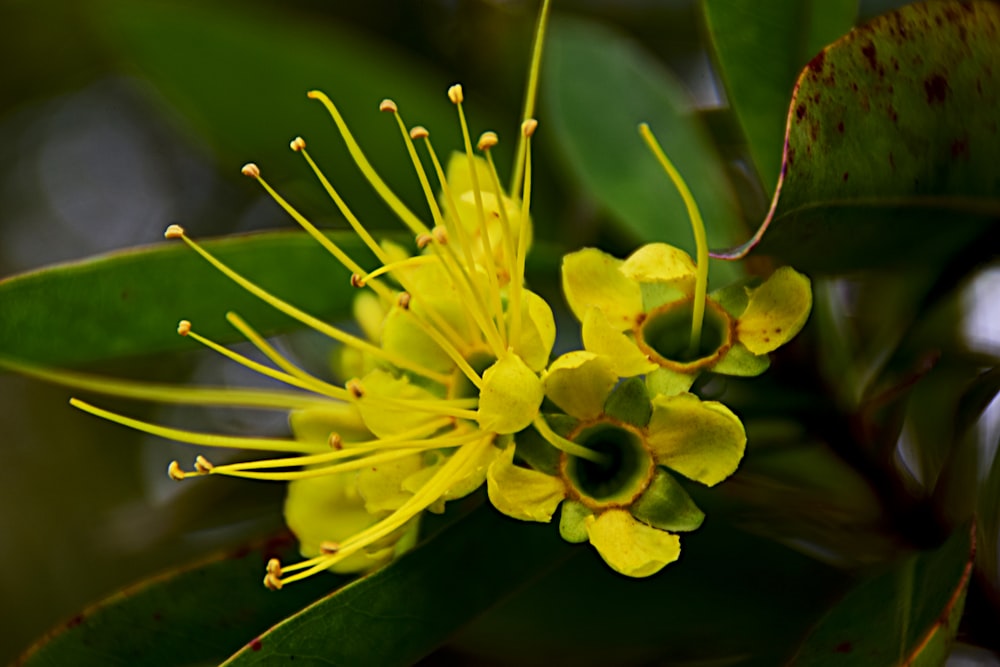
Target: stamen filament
[
  {"x": 484, "y": 234},
  {"x": 517, "y": 278},
  {"x": 163, "y": 393},
  {"x": 568, "y": 446},
  {"x": 530, "y": 94},
  {"x": 312, "y": 473},
  {"x": 417, "y": 260},
  {"x": 267, "y": 349},
  {"x": 196, "y": 437},
  {"x": 305, "y": 318},
  {"x": 453, "y": 469},
  {"x": 352, "y": 219},
  {"x": 395, "y": 203},
  {"x": 508, "y": 241},
  {"x": 309, "y": 384},
  {"x": 697, "y": 225}
]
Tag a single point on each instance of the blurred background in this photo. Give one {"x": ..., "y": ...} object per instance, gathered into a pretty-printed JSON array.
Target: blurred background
[{"x": 119, "y": 118}]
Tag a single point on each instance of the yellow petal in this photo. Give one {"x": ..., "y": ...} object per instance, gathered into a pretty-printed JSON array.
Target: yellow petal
[
  {"x": 601, "y": 338},
  {"x": 629, "y": 546},
  {"x": 661, "y": 263},
  {"x": 510, "y": 397},
  {"x": 329, "y": 508},
  {"x": 593, "y": 279},
  {"x": 777, "y": 311},
  {"x": 702, "y": 440},
  {"x": 385, "y": 421},
  {"x": 381, "y": 485},
  {"x": 538, "y": 331},
  {"x": 402, "y": 335},
  {"x": 579, "y": 383},
  {"x": 476, "y": 475},
  {"x": 521, "y": 493},
  {"x": 316, "y": 424}
]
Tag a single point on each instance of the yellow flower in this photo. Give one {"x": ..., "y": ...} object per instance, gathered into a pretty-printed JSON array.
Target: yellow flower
[
  {"x": 449, "y": 369},
  {"x": 626, "y": 503}
]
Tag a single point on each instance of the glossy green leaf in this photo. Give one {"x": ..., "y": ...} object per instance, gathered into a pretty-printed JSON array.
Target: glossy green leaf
[
  {"x": 128, "y": 303},
  {"x": 760, "y": 47},
  {"x": 906, "y": 616},
  {"x": 892, "y": 141},
  {"x": 194, "y": 616},
  {"x": 597, "y": 87},
  {"x": 729, "y": 600},
  {"x": 403, "y": 612},
  {"x": 239, "y": 74}
]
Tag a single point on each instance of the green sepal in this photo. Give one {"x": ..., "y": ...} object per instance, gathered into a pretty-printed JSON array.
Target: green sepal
[
  {"x": 572, "y": 521},
  {"x": 562, "y": 424},
  {"x": 629, "y": 403},
  {"x": 655, "y": 295},
  {"x": 534, "y": 450},
  {"x": 741, "y": 362},
  {"x": 668, "y": 382},
  {"x": 734, "y": 298},
  {"x": 667, "y": 506}
]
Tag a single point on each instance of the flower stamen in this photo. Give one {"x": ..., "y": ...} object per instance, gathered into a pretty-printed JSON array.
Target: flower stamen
[
  {"x": 516, "y": 284},
  {"x": 697, "y": 225}
]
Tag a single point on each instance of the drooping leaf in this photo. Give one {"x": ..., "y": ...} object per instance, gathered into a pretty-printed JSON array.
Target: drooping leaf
[
  {"x": 194, "y": 616},
  {"x": 403, "y": 612},
  {"x": 128, "y": 303},
  {"x": 760, "y": 48},
  {"x": 891, "y": 144},
  {"x": 597, "y": 87},
  {"x": 915, "y": 608}
]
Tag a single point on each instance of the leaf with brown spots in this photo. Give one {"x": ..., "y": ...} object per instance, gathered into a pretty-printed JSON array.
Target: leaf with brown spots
[
  {"x": 906, "y": 105},
  {"x": 915, "y": 607}
]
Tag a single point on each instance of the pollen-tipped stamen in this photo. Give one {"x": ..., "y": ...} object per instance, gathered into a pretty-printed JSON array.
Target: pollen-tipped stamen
[
  {"x": 456, "y": 468},
  {"x": 517, "y": 278},
  {"x": 530, "y": 94},
  {"x": 317, "y": 324},
  {"x": 697, "y": 225},
  {"x": 487, "y": 141},
  {"x": 484, "y": 235},
  {"x": 197, "y": 437},
  {"x": 409, "y": 219}
]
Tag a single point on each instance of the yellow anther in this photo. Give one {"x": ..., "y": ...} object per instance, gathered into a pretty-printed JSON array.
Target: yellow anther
[
  {"x": 440, "y": 235},
  {"x": 175, "y": 472},
  {"x": 335, "y": 441},
  {"x": 455, "y": 94},
  {"x": 251, "y": 170},
  {"x": 272, "y": 582},
  {"x": 355, "y": 388},
  {"x": 184, "y": 327},
  {"x": 357, "y": 280},
  {"x": 529, "y": 126},
  {"x": 274, "y": 567},
  {"x": 403, "y": 300},
  {"x": 173, "y": 232},
  {"x": 203, "y": 465},
  {"x": 419, "y": 132},
  {"x": 388, "y": 105},
  {"x": 329, "y": 548},
  {"x": 424, "y": 240},
  {"x": 298, "y": 144},
  {"x": 487, "y": 140}
]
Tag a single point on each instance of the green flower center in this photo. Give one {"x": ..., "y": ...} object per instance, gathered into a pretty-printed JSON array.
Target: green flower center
[
  {"x": 665, "y": 335},
  {"x": 622, "y": 479}
]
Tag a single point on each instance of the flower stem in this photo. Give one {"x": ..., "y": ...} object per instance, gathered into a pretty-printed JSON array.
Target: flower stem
[{"x": 701, "y": 242}]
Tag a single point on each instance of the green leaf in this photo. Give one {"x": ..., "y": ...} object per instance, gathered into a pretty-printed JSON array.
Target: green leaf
[
  {"x": 192, "y": 616},
  {"x": 915, "y": 608},
  {"x": 892, "y": 143},
  {"x": 760, "y": 48},
  {"x": 239, "y": 74},
  {"x": 401, "y": 613},
  {"x": 597, "y": 87},
  {"x": 128, "y": 303}
]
